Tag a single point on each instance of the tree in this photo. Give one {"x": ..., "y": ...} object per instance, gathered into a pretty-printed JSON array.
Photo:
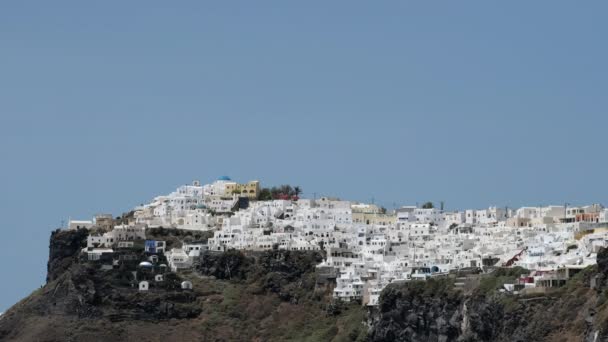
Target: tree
[
  {"x": 428, "y": 205},
  {"x": 286, "y": 189},
  {"x": 275, "y": 192},
  {"x": 265, "y": 194}
]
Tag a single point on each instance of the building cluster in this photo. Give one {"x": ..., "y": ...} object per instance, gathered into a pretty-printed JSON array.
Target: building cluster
[{"x": 366, "y": 246}]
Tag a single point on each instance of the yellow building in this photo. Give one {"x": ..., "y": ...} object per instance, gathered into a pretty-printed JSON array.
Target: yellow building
[
  {"x": 371, "y": 214},
  {"x": 250, "y": 189}
]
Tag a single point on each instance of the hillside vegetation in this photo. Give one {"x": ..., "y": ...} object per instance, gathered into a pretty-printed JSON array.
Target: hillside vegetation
[{"x": 268, "y": 296}]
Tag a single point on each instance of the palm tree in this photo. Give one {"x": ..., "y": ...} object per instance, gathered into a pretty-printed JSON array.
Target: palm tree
[
  {"x": 286, "y": 190},
  {"x": 297, "y": 191}
]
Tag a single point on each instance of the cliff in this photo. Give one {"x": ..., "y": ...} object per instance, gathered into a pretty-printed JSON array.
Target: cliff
[
  {"x": 273, "y": 296},
  {"x": 269, "y": 296},
  {"x": 437, "y": 311},
  {"x": 64, "y": 247}
]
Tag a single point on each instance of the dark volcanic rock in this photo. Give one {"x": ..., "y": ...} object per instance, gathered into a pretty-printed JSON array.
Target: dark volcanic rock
[
  {"x": 290, "y": 274},
  {"x": 63, "y": 250},
  {"x": 419, "y": 311},
  {"x": 252, "y": 298},
  {"x": 602, "y": 261},
  {"x": 434, "y": 311},
  {"x": 231, "y": 264}
]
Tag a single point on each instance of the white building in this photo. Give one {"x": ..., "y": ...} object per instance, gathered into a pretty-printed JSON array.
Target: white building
[
  {"x": 80, "y": 224},
  {"x": 365, "y": 247},
  {"x": 178, "y": 259}
]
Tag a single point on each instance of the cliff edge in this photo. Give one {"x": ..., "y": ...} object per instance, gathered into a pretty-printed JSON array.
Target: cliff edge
[
  {"x": 267, "y": 296},
  {"x": 274, "y": 296}
]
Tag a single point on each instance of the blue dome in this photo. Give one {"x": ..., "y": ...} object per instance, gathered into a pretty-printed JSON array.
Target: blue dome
[{"x": 224, "y": 178}]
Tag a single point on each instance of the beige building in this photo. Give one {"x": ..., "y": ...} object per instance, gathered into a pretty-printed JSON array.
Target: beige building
[
  {"x": 371, "y": 214},
  {"x": 250, "y": 189},
  {"x": 374, "y": 219}
]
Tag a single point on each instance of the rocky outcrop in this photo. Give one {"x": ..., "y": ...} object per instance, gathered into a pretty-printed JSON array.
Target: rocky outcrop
[
  {"x": 289, "y": 274},
  {"x": 64, "y": 247},
  {"x": 433, "y": 311},
  {"x": 436, "y": 311},
  {"x": 419, "y": 311},
  {"x": 84, "y": 292},
  {"x": 265, "y": 296},
  {"x": 229, "y": 265}
]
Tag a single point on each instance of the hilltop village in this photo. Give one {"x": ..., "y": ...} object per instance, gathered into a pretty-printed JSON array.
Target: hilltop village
[{"x": 366, "y": 246}]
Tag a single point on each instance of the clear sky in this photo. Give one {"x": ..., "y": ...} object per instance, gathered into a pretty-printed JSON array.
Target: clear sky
[{"x": 104, "y": 105}]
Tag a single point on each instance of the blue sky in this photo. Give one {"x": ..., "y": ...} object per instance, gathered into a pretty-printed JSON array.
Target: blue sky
[{"x": 475, "y": 103}]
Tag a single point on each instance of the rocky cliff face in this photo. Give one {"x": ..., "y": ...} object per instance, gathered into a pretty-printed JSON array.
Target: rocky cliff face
[
  {"x": 64, "y": 247},
  {"x": 418, "y": 311},
  {"x": 436, "y": 311},
  {"x": 268, "y": 296}
]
